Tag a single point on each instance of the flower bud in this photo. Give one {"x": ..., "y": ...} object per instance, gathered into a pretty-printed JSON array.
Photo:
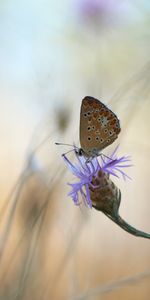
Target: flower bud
[{"x": 104, "y": 194}]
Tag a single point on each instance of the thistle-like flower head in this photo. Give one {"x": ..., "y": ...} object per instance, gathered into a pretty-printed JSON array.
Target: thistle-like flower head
[{"x": 88, "y": 174}]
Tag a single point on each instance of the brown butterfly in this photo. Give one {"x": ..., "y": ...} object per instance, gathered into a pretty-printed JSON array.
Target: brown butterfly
[{"x": 99, "y": 127}]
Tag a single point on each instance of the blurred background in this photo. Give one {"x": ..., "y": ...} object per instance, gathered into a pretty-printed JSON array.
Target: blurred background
[{"x": 52, "y": 54}]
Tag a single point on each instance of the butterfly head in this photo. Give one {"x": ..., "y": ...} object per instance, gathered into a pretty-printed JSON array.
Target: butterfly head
[{"x": 89, "y": 154}]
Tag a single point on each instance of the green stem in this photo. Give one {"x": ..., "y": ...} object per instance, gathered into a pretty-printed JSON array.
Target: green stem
[{"x": 127, "y": 227}]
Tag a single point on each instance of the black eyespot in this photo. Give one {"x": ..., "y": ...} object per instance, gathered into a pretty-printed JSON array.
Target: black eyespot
[
  {"x": 88, "y": 113},
  {"x": 89, "y": 128},
  {"x": 101, "y": 140},
  {"x": 85, "y": 115},
  {"x": 106, "y": 130},
  {"x": 89, "y": 138},
  {"x": 97, "y": 138},
  {"x": 110, "y": 132},
  {"x": 93, "y": 127},
  {"x": 108, "y": 140}
]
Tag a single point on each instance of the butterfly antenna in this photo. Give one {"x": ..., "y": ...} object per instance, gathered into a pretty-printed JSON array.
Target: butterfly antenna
[{"x": 63, "y": 144}]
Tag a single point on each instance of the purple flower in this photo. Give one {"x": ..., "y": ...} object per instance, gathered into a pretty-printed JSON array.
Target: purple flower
[
  {"x": 92, "y": 7},
  {"x": 101, "y": 10},
  {"x": 85, "y": 171}
]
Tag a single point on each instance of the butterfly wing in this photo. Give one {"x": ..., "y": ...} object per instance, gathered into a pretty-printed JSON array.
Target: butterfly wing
[{"x": 99, "y": 126}]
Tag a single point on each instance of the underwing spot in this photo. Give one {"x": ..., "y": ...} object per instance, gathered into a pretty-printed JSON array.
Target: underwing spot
[
  {"x": 89, "y": 138},
  {"x": 97, "y": 138},
  {"x": 95, "y": 105},
  {"x": 93, "y": 127},
  {"x": 95, "y": 114},
  {"x": 89, "y": 120},
  {"x": 110, "y": 133},
  {"x": 85, "y": 115},
  {"x": 89, "y": 128},
  {"x": 106, "y": 130},
  {"x": 113, "y": 122},
  {"x": 106, "y": 113},
  {"x": 101, "y": 140}
]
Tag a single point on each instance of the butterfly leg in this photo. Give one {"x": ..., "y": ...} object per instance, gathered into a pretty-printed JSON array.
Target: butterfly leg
[{"x": 103, "y": 155}]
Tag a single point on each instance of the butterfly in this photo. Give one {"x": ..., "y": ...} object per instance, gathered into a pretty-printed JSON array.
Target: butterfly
[{"x": 99, "y": 127}]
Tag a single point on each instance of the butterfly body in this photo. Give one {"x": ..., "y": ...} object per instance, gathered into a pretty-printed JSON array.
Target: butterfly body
[{"x": 99, "y": 127}]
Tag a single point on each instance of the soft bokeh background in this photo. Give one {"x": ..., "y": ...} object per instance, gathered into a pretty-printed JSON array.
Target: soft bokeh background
[{"x": 52, "y": 54}]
